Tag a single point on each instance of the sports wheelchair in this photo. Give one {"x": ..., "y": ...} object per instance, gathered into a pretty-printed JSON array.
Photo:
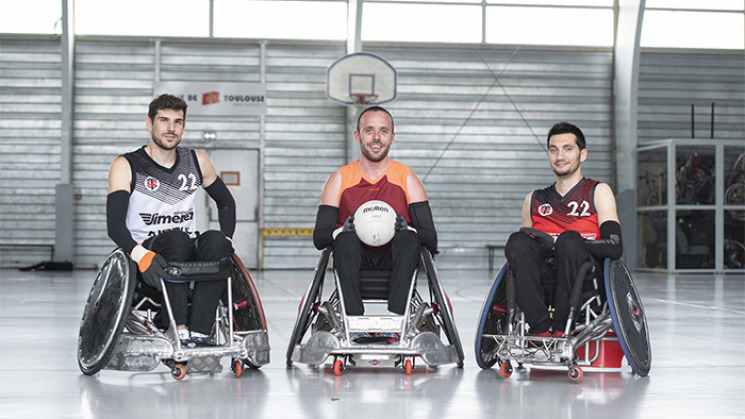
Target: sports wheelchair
[
  {"x": 595, "y": 328},
  {"x": 393, "y": 340},
  {"x": 119, "y": 329}
]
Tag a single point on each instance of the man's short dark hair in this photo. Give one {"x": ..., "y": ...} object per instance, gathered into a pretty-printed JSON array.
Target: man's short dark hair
[
  {"x": 567, "y": 128},
  {"x": 371, "y": 109},
  {"x": 166, "y": 101}
]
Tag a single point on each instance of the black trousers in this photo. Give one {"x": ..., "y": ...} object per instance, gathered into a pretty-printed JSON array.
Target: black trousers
[
  {"x": 177, "y": 246},
  {"x": 401, "y": 258},
  {"x": 537, "y": 284}
]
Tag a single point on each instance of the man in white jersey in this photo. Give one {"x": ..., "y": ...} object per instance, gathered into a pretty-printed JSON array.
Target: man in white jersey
[{"x": 150, "y": 215}]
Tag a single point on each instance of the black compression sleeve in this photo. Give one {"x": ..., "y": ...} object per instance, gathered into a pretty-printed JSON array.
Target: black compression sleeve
[
  {"x": 325, "y": 224},
  {"x": 225, "y": 206},
  {"x": 610, "y": 244},
  {"x": 421, "y": 220},
  {"x": 116, "y": 220}
]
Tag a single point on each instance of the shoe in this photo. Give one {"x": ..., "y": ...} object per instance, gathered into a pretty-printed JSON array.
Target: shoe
[
  {"x": 558, "y": 334},
  {"x": 200, "y": 340},
  {"x": 184, "y": 336},
  {"x": 545, "y": 334},
  {"x": 390, "y": 337}
]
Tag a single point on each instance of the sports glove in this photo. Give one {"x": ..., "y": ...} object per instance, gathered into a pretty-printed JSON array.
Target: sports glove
[
  {"x": 349, "y": 225},
  {"x": 400, "y": 223},
  {"x": 151, "y": 265},
  {"x": 545, "y": 240}
]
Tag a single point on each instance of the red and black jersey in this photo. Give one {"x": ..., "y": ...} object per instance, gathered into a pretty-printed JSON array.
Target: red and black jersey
[
  {"x": 554, "y": 214},
  {"x": 390, "y": 187}
]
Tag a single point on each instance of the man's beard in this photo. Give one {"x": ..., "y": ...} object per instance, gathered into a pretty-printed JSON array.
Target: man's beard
[
  {"x": 162, "y": 145},
  {"x": 373, "y": 158}
]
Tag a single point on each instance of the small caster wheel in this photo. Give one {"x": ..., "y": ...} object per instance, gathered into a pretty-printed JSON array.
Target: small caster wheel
[
  {"x": 237, "y": 367},
  {"x": 178, "y": 372},
  {"x": 338, "y": 366},
  {"x": 575, "y": 374},
  {"x": 409, "y": 366},
  {"x": 505, "y": 369}
]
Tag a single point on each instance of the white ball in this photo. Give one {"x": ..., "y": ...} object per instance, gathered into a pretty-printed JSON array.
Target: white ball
[{"x": 375, "y": 223}]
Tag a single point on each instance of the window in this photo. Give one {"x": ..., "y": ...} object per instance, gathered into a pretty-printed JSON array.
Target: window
[
  {"x": 549, "y": 25},
  {"x": 142, "y": 17},
  {"x": 421, "y": 22},
  {"x": 694, "y": 24},
  {"x": 281, "y": 19},
  {"x": 31, "y": 16}
]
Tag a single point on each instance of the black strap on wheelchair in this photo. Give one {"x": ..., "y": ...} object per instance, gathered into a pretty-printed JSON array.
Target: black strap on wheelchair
[
  {"x": 375, "y": 285},
  {"x": 577, "y": 288},
  {"x": 199, "y": 271}
]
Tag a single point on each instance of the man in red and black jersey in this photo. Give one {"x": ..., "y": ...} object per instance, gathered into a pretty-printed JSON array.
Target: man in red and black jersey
[
  {"x": 579, "y": 215},
  {"x": 375, "y": 176}
]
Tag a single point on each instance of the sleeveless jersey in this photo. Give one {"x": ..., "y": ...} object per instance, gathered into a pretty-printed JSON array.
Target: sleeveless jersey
[
  {"x": 554, "y": 214},
  {"x": 162, "y": 198},
  {"x": 356, "y": 189}
]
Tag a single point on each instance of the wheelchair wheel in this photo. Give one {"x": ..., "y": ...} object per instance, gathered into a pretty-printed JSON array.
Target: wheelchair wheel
[
  {"x": 445, "y": 313},
  {"x": 106, "y": 311},
  {"x": 492, "y": 321},
  {"x": 248, "y": 312},
  {"x": 311, "y": 298},
  {"x": 629, "y": 319}
]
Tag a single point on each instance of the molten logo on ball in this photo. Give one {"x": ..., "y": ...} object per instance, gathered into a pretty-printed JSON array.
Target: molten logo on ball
[{"x": 374, "y": 222}]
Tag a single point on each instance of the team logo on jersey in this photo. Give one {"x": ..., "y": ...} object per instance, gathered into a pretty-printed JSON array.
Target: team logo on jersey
[
  {"x": 545, "y": 210},
  {"x": 152, "y": 184}
]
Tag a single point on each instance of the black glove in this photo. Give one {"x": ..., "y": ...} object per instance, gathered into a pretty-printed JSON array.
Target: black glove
[
  {"x": 349, "y": 225},
  {"x": 400, "y": 223},
  {"x": 152, "y": 266},
  {"x": 545, "y": 240}
]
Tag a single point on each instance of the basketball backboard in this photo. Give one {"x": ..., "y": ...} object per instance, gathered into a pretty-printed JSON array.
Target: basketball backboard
[{"x": 361, "y": 78}]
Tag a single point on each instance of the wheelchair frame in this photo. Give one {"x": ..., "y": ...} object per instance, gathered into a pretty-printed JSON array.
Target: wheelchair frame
[
  {"x": 332, "y": 329},
  {"x": 118, "y": 333},
  {"x": 502, "y": 338}
]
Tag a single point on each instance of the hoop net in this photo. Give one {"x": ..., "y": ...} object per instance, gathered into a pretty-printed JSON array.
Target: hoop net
[{"x": 363, "y": 98}]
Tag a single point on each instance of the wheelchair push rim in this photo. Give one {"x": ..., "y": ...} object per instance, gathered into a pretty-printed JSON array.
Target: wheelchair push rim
[
  {"x": 305, "y": 312},
  {"x": 629, "y": 318},
  {"x": 488, "y": 319},
  {"x": 106, "y": 312}
]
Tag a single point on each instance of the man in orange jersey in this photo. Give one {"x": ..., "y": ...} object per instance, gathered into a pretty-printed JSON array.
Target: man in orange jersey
[
  {"x": 375, "y": 176},
  {"x": 573, "y": 220}
]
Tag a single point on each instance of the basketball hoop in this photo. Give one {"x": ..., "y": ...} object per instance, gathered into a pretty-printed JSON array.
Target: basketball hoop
[
  {"x": 363, "y": 98},
  {"x": 361, "y": 79}
]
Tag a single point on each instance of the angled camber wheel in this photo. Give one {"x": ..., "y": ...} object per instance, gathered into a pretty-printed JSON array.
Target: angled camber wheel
[
  {"x": 311, "y": 297},
  {"x": 248, "y": 312},
  {"x": 445, "y": 314},
  {"x": 629, "y": 319},
  {"x": 106, "y": 311},
  {"x": 492, "y": 320}
]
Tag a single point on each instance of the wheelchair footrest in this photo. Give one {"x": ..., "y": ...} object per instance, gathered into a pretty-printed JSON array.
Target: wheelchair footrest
[
  {"x": 375, "y": 324},
  {"x": 199, "y": 271}
]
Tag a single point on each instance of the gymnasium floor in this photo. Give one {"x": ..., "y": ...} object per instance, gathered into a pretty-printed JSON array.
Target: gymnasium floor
[{"x": 695, "y": 321}]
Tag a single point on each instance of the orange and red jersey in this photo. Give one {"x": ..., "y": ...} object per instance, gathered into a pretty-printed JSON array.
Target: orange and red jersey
[
  {"x": 356, "y": 189},
  {"x": 554, "y": 214}
]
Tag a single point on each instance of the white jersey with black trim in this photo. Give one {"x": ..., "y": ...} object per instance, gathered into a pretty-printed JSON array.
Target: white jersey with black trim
[{"x": 162, "y": 198}]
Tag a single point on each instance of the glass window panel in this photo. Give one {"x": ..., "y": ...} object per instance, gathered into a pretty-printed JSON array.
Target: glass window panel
[
  {"x": 30, "y": 16},
  {"x": 423, "y": 1},
  {"x": 696, "y": 4},
  {"x": 652, "y": 186},
  {"x": 421, "y": 23},
  {"x": 595, "y": 3},
  {"x": 549, "y": 26},
  {"x": 653, "y": 237},
  {"x": 693, "y": 30},
  {"x": 694, "y": 239},
  {"x": 142, "y": 17},
  {"x": 734, "y": 196},
  {"x": 281, "y": 19},
  {"x": 694, "y": 175}
]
